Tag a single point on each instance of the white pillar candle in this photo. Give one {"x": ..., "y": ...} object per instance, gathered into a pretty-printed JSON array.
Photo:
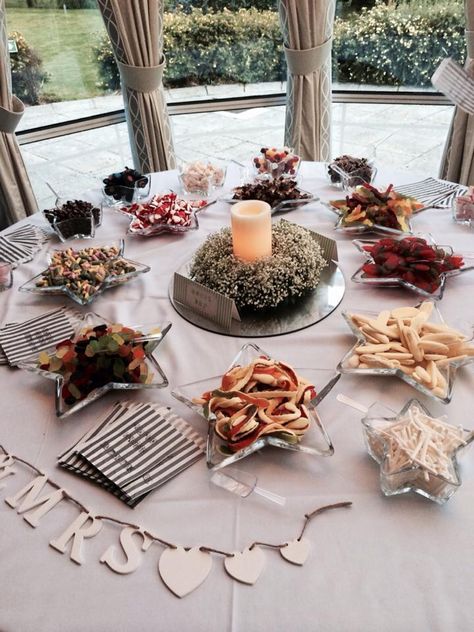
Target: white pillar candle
[{"x": 251, "y": 230}]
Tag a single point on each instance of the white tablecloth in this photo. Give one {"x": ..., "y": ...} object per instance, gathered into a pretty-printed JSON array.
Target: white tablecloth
[{"x": 391, "y": 564}]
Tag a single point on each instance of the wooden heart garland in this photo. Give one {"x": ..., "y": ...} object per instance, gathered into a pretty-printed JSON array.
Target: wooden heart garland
[
  {"x": 245, "y": 566},
  {"x": 182, "y": 569},
  {"x": 296, "y": 551}
]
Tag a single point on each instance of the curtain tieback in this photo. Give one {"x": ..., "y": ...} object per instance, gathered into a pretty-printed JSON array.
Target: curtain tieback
[
  {"x": 9, "y": 119},
  {"x": 142, "y": 78},
  {"x": 306, "y": 61},
  {"x": 470, "y": 43}
]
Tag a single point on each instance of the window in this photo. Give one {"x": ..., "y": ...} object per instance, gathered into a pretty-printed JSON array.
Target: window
[{"x": 64, "y": 70}]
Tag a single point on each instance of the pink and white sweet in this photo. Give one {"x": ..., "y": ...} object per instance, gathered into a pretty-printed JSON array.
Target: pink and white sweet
[
  {"x": 464, "y": 206},
  {"x": 277, "y": 162}
]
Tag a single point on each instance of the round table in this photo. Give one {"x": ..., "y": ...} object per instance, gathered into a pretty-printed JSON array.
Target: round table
[{"x": 391, "y": 564}]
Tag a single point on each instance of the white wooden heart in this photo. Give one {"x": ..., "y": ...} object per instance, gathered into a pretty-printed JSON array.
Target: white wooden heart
[
  {"x": 245, "y": 566},
  {"x": 296, "y": 551},
  {"x": 183, "y": 571}
]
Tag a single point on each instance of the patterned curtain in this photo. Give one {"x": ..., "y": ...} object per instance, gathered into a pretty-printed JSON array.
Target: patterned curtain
[
  {"x": 307, "y": 27},
  {"x": 135, "y": 28},
  {"x": 16, "y": 195},
  {"x": 457, "y": 163}
]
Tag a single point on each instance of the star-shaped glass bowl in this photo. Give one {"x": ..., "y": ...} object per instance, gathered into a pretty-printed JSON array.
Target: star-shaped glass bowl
[
  {"x": 161, "y": 228},
  {"x": 448, "y": 372},
  {"x": 285, "y": 206},
  {"x": 151, "y": 337},
  {"x": 411, "y": 476},
  {"x": 357, "y": 228},
  {"x": 396, "y": 281},
  {"x": 110, "y": 281},
  {"x": 315, "y": 441}
]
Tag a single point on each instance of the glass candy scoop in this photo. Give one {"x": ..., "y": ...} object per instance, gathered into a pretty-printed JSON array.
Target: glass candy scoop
[{"x": 243, "y": 484}]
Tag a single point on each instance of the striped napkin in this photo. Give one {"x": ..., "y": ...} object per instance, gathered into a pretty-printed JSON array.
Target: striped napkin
[
  {"x": 19, "y": 341},
  {"x": 3, "y": 357},
  {"x": 21, "y": 244},
  {"x": 134, "y": 449},
  {"x": 433, "y": 192}
]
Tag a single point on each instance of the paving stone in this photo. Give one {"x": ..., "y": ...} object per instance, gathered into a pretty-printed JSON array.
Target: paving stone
[
  {"x": 58, "y": 149},
  {"x": 442, "y": 115},
  {"x": 183, "y": 94},
  {"x": 429, "y": 162},
  {"x": 403, "y": 137},
  {"x": 31, "y": 159},
  {"x": 95, "y": 162}
]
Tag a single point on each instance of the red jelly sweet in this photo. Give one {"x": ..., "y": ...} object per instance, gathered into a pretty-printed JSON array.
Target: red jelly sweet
[{"x": 411, "y": 259}]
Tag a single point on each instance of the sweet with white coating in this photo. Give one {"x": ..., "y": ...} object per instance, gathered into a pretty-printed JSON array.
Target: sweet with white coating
[{"x": 404, "y": 339}]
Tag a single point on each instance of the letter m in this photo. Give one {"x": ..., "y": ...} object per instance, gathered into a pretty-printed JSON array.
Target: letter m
[{"x": 27, "y": 499}]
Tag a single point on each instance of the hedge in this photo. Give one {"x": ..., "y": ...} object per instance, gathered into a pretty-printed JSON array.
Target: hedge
[
  {"x": 386, "y": 44},
  {"x": 27, "y": 74},
  {"x": 219, "y": 5},
  {"x": 53, "y": 4},
  {"x": 400, "y": 45},
  {"x": 223, "y": 47}
]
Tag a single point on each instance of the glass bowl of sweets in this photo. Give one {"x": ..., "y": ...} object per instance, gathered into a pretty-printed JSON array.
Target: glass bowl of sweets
[
  {"x": 273, "y": 162},
  {"x": 74, "y": 219},
  {"x": 125, "y": 187},
  {"x": 347, "y": 172}
]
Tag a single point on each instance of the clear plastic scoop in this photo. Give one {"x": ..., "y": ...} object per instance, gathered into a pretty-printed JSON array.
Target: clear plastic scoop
[
  {"x": 348, "y": 401},
  {"x": 243, "y": 484}
]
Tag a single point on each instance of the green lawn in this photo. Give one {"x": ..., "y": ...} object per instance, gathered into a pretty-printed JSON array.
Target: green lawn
[{"x": 64, "y": 42}]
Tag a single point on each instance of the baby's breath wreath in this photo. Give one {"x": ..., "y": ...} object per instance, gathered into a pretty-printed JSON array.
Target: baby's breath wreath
[{"x": 292, "y": 271}]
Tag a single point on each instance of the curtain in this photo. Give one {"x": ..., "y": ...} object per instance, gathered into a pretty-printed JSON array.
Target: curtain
[
  {"x": 307, "y": 27},
  {"x": 457, "y": 163},
  {"x": 135, "y": 28},
  {"x": 16, "y": 195}
]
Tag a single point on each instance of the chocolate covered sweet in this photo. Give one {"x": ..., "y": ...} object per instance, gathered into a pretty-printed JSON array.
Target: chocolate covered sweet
[
  {"x": 122, "y": 185},
  {"x": 74, "y": 218},
  {"x": 271, "y": 191},
  {"x": 359, "y": 168},
  {"x": 72, "y": 209}
]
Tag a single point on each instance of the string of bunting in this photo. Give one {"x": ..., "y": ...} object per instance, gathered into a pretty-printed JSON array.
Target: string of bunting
[{"x": 181, "y": 568}]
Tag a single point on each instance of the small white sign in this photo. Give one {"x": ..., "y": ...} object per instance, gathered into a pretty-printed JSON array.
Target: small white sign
[
  {"x": 204, "y": 301},
  {"x": 219, "y": 308},
  {"x": 12, "y": 47}
]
